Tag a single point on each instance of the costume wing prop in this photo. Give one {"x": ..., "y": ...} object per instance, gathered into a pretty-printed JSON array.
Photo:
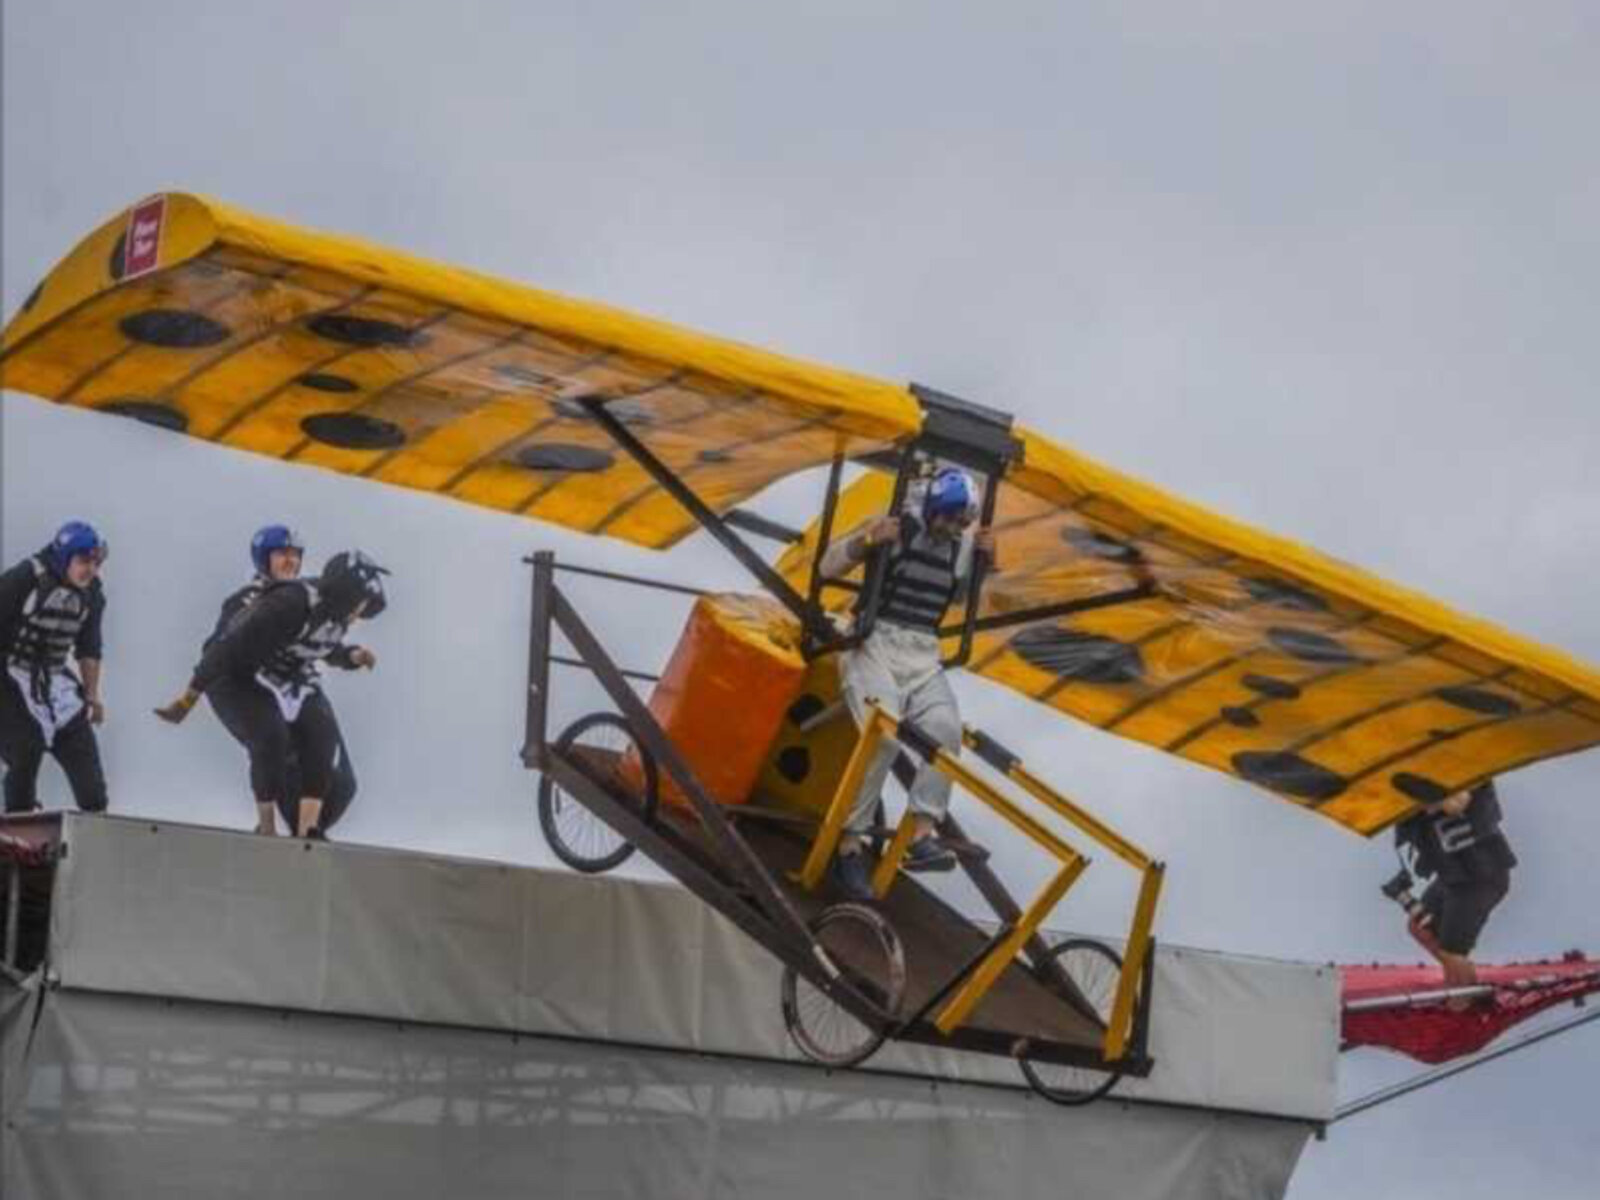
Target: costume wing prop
[
  {"x": 325, "y": 350},
  {"x": 1249, "y": 653}
]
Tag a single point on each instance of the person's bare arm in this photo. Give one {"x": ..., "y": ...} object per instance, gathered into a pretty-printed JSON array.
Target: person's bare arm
[
  {"x": 854, "y": 547},
  {"x": 90, "y": 669}
]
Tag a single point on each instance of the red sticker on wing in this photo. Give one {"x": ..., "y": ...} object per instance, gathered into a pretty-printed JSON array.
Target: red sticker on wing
[{"x": 144, "y": 237}]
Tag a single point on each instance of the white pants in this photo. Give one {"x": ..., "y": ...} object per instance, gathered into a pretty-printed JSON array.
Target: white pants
[{"x": 899, "y": 669}]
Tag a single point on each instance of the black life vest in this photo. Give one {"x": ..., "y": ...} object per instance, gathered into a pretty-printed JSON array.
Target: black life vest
[
  {"x": 921, "y": 582},
  {"x": 53, "y": 616}
]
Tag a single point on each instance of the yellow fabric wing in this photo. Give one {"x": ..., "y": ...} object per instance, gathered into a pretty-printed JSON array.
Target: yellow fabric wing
[
  {"x": 332, "y": 352},
  {"x": 1253, "y": 655}
]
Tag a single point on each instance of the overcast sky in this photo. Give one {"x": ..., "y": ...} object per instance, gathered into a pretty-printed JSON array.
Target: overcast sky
[{"x": 1335, "y": 275}]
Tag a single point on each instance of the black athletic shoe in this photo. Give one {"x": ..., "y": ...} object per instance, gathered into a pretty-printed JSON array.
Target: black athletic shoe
[
  {"x": 928, "y": 854},
  {"x": 852, "y": 875}
]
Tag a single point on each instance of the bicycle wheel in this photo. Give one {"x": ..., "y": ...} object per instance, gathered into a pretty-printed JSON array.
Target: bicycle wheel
[
  {"x": 864, "y": 950},
  {"x": 596, "y": 745},
  {"x": 1095, "y": 970}
]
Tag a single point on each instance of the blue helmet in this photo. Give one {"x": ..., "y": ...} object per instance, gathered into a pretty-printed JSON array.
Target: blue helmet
[
  {"x": 951, "y": 493},
  {"x": 75, "y": 539},
  {"x": 269, "y": 538}
]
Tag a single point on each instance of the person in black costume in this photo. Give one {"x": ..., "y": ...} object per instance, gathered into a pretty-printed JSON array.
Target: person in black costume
[
  {"x": 276, "y": 554},
  {"x": 51, "y": 609},
  {"x": 1457, "y": 841},
  {"x": 261, "y": 673}
]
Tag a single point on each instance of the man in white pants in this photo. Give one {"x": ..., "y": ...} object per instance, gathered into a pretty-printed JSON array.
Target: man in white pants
[{"x": 898, "y": 665}]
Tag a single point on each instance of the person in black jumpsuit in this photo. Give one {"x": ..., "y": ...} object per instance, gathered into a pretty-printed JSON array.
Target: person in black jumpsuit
[
  {"x": 276, "y": 553},
  {"x": 1459, "y": 842},
  {"x": 262, "y": 675},
  {"x": 51, "y": 608}
]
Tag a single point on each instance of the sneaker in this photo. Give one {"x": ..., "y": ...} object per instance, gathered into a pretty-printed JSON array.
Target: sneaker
[
  {"x": 853, "y": 876},
  {"x": 928, "y": 854}
]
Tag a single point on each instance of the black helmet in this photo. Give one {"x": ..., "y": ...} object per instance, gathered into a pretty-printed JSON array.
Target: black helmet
[{"x": 349, "y": 578}]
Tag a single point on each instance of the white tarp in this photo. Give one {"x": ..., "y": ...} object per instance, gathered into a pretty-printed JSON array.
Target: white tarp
[
  {"x": 129, "y": 1097},
  {"x": 171, "y": 910}
]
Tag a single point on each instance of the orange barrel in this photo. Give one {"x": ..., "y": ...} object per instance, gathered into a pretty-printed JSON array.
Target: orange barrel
[{"x": 733, "y": 675}]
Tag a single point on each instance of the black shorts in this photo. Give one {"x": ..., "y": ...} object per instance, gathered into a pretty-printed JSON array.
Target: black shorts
[{"x": 1459, "y": 910}]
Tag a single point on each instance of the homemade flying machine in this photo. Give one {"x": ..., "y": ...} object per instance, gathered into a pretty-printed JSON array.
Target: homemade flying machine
[{"x": 1113, "y": 602}]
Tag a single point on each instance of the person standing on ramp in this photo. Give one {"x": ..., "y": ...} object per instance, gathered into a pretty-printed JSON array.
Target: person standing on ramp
[
  {"x": 262, "y": 676},
  {"x": 51, "y": 607},
  {"x": 277, "y": 553},
  {"x": 899, "y": 665}
]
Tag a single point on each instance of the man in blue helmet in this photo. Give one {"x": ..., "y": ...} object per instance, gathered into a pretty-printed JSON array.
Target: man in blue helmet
[
  {"x": 931, "y": 547},
  {"x": 51, "y": 606},
  {"x": 262, "y": 676},
  {"x": 277, "y": 553}
]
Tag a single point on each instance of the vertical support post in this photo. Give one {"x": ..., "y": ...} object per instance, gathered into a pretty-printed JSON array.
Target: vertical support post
[
  {"x": 890, "y": 862},
  {"x": 1120, "y": 1027},
  {"x": 975, "y": 581},
  {"x": 844, "y": 798},
  {"x": 13, "y": 912},
  {"x": 830, "y": 507},
  {"x": 878, "y": 564},
  {"x": 536, "y": 721}
]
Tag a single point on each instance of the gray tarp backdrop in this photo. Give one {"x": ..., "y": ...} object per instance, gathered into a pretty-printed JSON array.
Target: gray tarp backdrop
[{"x": 253, "y": 1017}]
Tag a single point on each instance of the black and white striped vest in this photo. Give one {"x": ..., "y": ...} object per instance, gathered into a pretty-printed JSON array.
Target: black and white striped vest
[
  {"x": 52, "y": 617},
  {"x": 922, "y": 582}
]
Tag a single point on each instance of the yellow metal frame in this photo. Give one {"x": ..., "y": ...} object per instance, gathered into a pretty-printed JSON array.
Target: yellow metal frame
[{"x": 959, "y": 1007}]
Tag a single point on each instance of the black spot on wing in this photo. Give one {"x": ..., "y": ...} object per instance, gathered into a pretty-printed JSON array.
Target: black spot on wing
[
  {"x": 1074, "y": 655},
  {"x": 562, "y": 456},
  {"x": 1275, "y": 689},
  {"x": 174, "y": 329},
  {"x": 1290, "y": 774},
  {"x": 1479, "y": 700},
  {"x": 353, "y": 431},
  {"x": 1310, "y": 646},
  {"x": 162, "y": 416},
  {"x": 366, "y": 332}
]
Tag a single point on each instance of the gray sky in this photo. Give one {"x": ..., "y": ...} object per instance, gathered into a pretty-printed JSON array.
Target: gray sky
[{"x": 1329, "y": 273}]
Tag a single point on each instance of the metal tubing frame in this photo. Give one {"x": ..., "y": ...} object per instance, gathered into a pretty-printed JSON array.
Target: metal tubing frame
[
  {"x": 760, "y": 909},
  {"x": 1123, "y": 1026},
  {"x": 981, "y": 975},
  {"x": 535, "y": 733},
  {"x": 701, "y": 876},
  {"x": 1045, "y": 612},
  {"x": 1120, "y": 1028},
  {"x": 766, "y": 914},
  {"x": 707, "y": 517},
  {"x": 979, "y": 572},
  {"x": 752, "y": 872}
]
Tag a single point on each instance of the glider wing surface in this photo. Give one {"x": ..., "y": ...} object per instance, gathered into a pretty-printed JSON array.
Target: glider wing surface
[
  {"x": 1251, "y": 654},
  {"x": 329, "y": 351}
]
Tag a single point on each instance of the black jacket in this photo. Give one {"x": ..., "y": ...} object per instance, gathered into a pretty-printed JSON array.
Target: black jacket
[
  {"x": 249, "y": 637},
  {"x": 1461, "y": 850}
]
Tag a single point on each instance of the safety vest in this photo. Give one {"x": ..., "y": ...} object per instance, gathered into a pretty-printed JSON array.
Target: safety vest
[
  {"x": 922, "y": 580},
  {"x": 53, "y": 615}
]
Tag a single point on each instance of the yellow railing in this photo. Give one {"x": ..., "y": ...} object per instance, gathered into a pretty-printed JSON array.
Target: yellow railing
[{"x": 958, "y": 1008}]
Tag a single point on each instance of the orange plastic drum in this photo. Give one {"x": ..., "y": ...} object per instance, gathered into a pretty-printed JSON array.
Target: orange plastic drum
[{"x": 735, "y": 672}]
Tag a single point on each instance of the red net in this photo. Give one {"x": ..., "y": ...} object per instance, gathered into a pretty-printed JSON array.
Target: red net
[{"x": 1428, "y": 1030}]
